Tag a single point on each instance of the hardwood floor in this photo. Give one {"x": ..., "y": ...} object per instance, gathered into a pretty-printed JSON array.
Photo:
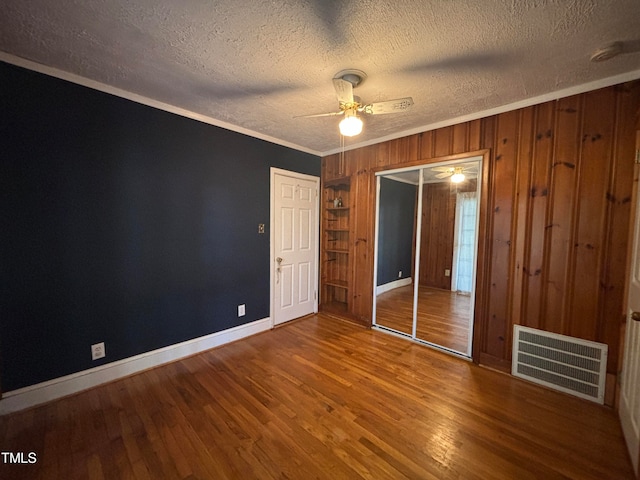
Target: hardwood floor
[
  {"x": 443, "y": 316},
  {"x": 318, "y": 398}
]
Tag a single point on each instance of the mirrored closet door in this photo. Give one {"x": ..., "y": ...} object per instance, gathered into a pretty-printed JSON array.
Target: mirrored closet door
[{"x": 426, "y": 253}]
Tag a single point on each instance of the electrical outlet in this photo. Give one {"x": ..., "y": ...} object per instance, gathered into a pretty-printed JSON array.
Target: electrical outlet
[
  {"x": 400, "y": 274},
  {"x": 241, "y": 311},
  {"x": 447, "y": 273},
  {"x": 97, "y": 351}
]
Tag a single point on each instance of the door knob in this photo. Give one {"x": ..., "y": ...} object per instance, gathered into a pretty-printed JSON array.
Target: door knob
[
  {"x": 635, "y": 316},
  {"x": 279, "y": 260}
]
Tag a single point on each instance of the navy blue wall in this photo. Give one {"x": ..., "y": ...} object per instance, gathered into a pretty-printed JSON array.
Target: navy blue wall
[
  {"x": 396, "y": 220},
  {"x": 124, "y": 224}
]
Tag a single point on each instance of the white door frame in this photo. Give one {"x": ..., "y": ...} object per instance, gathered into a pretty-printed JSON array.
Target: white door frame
[{"x": 272, "y": 245}]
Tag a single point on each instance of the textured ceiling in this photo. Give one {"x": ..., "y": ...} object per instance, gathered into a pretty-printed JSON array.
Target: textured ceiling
[{"x": 253, "y": 65}]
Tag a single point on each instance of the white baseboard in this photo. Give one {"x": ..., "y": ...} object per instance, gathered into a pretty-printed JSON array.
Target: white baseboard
[
  {"x": 32, "y": 395},
  {"x": 391, "y": 285}
]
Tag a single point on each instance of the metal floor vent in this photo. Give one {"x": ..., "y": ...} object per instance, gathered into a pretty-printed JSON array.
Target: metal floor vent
[{"x": 568, "y": 364}]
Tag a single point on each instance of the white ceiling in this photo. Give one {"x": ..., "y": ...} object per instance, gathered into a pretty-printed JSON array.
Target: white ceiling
[{"x": 251, "y": 65}]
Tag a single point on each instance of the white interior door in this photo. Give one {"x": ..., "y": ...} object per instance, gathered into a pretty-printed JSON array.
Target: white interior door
[
  {"x": 295, "y": 240},
  {"x": 629, "y": 408}
]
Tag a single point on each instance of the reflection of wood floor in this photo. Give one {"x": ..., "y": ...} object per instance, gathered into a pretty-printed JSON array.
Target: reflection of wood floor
[{"x": 443, "y": 316}]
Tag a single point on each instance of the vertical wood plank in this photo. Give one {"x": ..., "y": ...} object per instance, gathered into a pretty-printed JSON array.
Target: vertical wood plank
[
  {"x": 474, "y": 135},
  {"x": 520, "y": 219},
  {"x": 364, "y": 201},
  {"x": 562, "y": 200},
  {"x": 436, "y": 249},
  {"x": 460, "y": 140},
  {"x": 324, "y": 170},
  {"x": 401, "y": 153},
  {"x": 382, "y": 154},
  {"x": 413, "y": 148},
  {"x": 487, "y": 140},
  {"x": 502, "y": 185},
  {"x": 534, "y": 272},
  {"x": 427, "y": 145},
  {"x": 488, "y": 135},
  {"x": 394, "y": 156},
  {"x": 443, "y": 139},
  {"x": 350, "y": 162},
  {"x": 594, "y": 171},
  {"x": 482, "y": 277}
]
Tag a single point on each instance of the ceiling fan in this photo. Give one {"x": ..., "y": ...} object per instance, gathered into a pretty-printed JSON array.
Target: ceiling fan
[
  {"x": 344, "y": 82},
  {"x": 456, "y": 172}
]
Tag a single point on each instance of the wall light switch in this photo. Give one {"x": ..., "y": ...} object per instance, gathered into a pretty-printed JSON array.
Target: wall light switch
[
  {"x": 261, "y": 228},
  {"x": 447, "y": 273}
]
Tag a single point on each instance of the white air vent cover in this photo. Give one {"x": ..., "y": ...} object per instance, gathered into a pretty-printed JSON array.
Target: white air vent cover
[{"x": 568, "y": 364}]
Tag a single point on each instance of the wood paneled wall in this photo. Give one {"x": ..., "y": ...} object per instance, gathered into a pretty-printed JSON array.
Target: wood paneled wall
[
  {"x": 558, "y": 189},
  {"x": 438, "y": 231},
  {"x": 436, "y": 249}
]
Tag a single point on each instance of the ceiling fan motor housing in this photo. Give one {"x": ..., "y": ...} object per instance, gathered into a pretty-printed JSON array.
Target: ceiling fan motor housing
[{"x": 354, "y": 77}]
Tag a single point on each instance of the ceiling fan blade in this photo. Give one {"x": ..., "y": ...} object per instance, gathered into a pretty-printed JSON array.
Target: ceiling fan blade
[
  {"x": 344, "y": 90},
  {"x": 330, "y": 114},
  {"x": 444, "y": 175},
  {"x": 389, "y": 106},
  {"x": 467, "y": 62},
  {"x": 442, "y": 169}
]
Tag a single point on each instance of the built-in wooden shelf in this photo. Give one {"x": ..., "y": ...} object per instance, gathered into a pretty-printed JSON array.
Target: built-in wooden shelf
[
  {"x": 343, "y": 183},
  {"x": 340, "y": 308},
  {"x": 337, "y": 283},
  {"x": 336, "y": 264}
]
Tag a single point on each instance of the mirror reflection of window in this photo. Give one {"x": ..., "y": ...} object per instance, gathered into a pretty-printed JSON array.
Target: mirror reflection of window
[{"x": 464, "y": 243}]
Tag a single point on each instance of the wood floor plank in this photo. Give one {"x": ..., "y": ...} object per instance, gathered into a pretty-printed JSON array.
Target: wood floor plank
[{"x": 318, "y": 398}]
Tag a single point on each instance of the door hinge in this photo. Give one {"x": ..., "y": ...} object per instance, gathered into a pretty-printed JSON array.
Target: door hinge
[
  {"x": 638, "y": 155},
  {"x": 315, "y": 294}
]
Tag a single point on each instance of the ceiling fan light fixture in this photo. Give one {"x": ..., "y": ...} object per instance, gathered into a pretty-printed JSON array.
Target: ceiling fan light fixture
[
  {"x": 457, "y": 177},
  {"x": 350, "y": 105},
  {"x": 350, "y": 125}
]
